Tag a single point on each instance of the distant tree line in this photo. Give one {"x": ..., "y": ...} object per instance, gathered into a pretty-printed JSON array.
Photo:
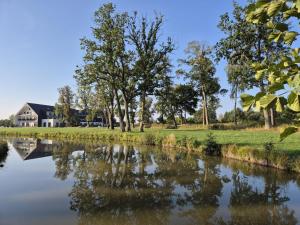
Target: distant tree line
[{"x": 10, "y": 122}]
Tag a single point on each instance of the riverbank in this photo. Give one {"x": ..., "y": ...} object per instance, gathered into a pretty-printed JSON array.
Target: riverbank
[{"x": 245, "y": 145}]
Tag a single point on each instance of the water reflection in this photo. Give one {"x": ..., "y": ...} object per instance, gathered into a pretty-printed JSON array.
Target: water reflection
[
  {"x": 30, "y": 148},
  {"x": 122, "y": 184},
  {"x": 3, "y": 155}
]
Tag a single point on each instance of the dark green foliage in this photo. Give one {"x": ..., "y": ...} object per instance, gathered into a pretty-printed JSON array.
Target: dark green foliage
[
  {"x": 211, "y": 146},
  {"x": 10, "y": 122},
  {"x": 201, "y": 75},
  {"x": 64, "y": 108}
]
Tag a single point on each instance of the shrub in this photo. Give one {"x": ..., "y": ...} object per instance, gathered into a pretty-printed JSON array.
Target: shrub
[
  {"x": 296, "y": 165},
  {"x": 147, "y": 139},
  {"x": 192, "y": 143},
  {"x": 182, "y": 142},
  {"x": 169, "y": 141},
  {"x": 269, "y": 148},
  {"x": 211, "y": 146}
]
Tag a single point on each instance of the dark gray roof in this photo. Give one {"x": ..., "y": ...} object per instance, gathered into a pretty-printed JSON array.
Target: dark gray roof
[{"x": 38, "y": 108}]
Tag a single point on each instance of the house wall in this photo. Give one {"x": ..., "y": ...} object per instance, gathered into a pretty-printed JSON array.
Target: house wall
[
  {"x": 50, "y": 123},
  {"x": 26, "y": 117}
]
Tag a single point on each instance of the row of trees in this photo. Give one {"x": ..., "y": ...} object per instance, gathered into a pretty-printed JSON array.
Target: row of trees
[{"x": 126, "y": 64}]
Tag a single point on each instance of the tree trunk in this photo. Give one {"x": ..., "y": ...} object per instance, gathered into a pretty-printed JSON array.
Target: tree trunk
[
  {"x": 273, "y": 114},
  {"x": 174, "y": 121},
  {"x": 181, "y": 118},
  {"x": 127, "y": 117},
  {"x": 235, "y": 106},
  {"x": 143, "y": 103},
  {"x": 267, "y": 119},
  {"x": 266, "y": 113},
  {"x": 205, "y": 111},
  {"x": 122, "y": 127}
]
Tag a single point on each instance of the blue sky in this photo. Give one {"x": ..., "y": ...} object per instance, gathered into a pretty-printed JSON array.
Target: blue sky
[{"x": 39, "y": 41}]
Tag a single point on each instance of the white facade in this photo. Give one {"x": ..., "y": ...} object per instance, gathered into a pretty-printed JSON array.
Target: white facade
[
  {"x": 50, "y": 123},
  {"x": 26, "y": 117}
]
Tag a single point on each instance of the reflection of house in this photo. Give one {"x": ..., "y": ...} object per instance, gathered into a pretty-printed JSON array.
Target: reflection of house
[
  {"x": 29, "y": 148},
  {"x": 37, "y": 115}
]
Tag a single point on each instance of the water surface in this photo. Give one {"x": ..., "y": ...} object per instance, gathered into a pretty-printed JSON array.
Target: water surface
[{"x": 49, "y": 182}]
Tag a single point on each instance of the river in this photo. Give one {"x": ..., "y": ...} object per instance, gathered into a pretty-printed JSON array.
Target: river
[{"x": 46, "y": 182}]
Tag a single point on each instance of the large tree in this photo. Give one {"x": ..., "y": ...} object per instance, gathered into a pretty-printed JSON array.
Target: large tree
[
  {"x": 246, "y": 43},
  {"x": 107, "y": 55},
  {"x": 152, "y": 59},
  {"x": 237, "y": 49},
  {"x": 201, "y": 74},
  {"x": 64, "y": 107}
]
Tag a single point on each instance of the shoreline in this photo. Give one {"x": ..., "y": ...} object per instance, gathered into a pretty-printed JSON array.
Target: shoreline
[{"x": 274, "y": 159}]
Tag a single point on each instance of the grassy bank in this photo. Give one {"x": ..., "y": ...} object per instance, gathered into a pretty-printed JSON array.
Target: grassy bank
[{"x": 246, "y": 145}]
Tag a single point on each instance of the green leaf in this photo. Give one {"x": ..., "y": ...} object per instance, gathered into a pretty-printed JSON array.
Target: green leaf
[
  {"x": 294, "y": 102},
  {"x": 259, "y": 95},
  {"x": 247, "y": 101},
  {"x": 287, "y": 132},
  {"x": 298, "y": 5},
  {"x": 259, "y": 74},
  {"x": 294, "y": 82},
  {"x": 280, "y": 102},
  {"x": 281, "y": 27},
  {"x": 274, "y": 7},
  {"x": 277, "y": 37},
  {"x": 275, "y": 87},
  {"x": 267, "y": 100},
  {"x": 289, "y": 37},
  {"x": 295, "y": 51}
]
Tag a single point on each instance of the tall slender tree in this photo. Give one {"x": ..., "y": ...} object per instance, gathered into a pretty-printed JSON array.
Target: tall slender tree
[
  {"x": 63, "y": 109},
  {"x": 201, "y": 74},
  {"x": 246, "y": 43},
  {"x": 151, "y": 59},
  {"x": 108, "y": 55}
]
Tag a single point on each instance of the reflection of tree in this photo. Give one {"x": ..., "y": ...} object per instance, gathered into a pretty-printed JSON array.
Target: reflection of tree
[
  {"x": 205, "y": 193},
  {"x": 113, "y": 185},
  {"x": 120, "y": 185},
  {"x": 249, "y": 205},
  {"x": 63, "y": 160},
  {"x": 3, "y": 153}
]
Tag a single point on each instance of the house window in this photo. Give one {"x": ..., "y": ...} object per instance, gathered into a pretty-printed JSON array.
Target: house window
[
  {"x": 44, "y": 124},
  {"x": 49, "y": 124}
]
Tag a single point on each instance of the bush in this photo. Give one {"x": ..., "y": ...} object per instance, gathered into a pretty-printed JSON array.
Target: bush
[
  {"x": 169, "y": 141},
  {"x": 182, "y": 142},
  {"x": 192, "y": 143},
  {"x": 211, "y": 146},
  {"x": 148, "y": 139}
]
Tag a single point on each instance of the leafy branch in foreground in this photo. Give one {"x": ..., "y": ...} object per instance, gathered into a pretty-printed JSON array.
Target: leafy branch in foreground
[{"x": 283, "y": 75}]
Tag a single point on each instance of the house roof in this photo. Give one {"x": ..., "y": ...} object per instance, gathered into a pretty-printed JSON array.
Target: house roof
[{"x": 41, "y": 108}]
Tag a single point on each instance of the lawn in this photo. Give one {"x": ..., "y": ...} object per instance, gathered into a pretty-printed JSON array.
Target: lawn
[{"x": 253, "y": 138}]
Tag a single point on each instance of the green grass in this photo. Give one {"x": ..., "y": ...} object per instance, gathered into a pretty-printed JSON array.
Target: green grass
[{"x": 252, "y": 138}]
